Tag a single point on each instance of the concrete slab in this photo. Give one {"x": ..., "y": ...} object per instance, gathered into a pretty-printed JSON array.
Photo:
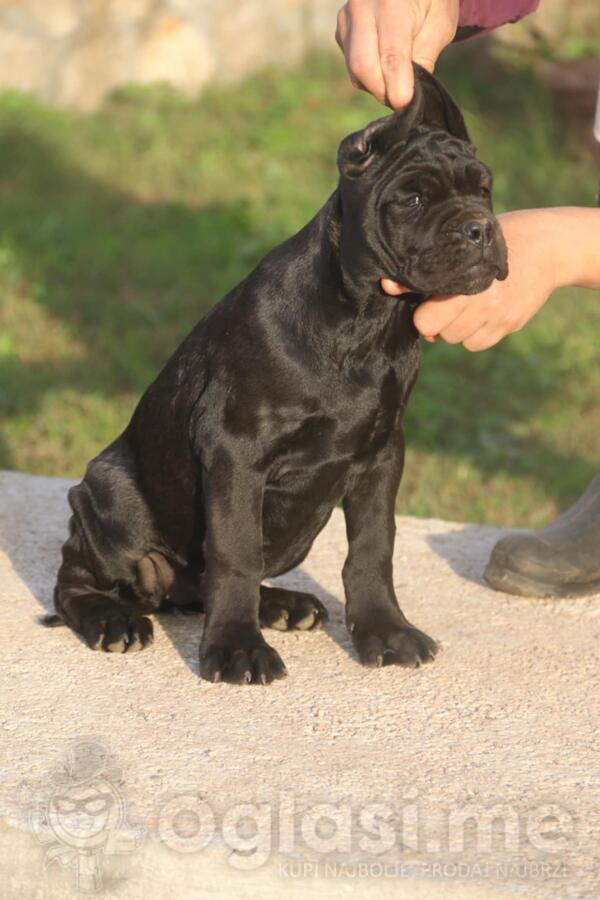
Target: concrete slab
[{"x": 476, "y": 776}]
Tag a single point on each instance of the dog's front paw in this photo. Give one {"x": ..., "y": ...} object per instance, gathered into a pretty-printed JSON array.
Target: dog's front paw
[
  {"x": 241, "y": 660},
  {"x": 387, "y": 640},
  {"x": 115, "y": 628}
]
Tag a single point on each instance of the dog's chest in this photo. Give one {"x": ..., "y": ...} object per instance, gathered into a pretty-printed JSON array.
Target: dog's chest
[{"x": 351, "y": 420}]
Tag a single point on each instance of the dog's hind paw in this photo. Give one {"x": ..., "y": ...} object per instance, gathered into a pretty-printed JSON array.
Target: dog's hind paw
[
  {"x": 287, "y": 610},
  {"x": 116, "y": 628}
]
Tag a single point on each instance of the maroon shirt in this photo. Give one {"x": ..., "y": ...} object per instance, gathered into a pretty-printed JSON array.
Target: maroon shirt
[{"x": 487, "y": 14}]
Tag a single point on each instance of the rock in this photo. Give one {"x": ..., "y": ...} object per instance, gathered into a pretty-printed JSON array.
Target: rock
[
  {"x": 127, "y": 11},
  {"x": 26, "y": 62},
  {"x": 74, "y": 53},
  {"x": 94, "y": 67},
  {"x": 57, "y": 18},
  {"x": 248, "y": 35},
  {"x": 174, "y": 52}
]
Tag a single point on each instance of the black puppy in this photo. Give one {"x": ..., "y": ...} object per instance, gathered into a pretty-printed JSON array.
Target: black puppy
[{"x": 286, "y": 399}]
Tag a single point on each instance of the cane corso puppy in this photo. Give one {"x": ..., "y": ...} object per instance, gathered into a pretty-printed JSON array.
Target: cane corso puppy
[{"x": 286, "y": 399}]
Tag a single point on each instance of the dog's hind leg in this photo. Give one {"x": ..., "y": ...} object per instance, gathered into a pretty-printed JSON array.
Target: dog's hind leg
[
  {"x": 285, "y": 610},
  {"x": 102, "y": 590},
  {"x": 101, "y": 616}
]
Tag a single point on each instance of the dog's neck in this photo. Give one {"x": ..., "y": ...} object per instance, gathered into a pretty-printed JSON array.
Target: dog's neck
[
  {"x": 343, "y": 308},
  {"x": 352, "y": 274}
]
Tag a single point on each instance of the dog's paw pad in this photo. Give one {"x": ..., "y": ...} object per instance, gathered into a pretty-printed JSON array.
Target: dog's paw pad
[{"x": 291, "y": 610}]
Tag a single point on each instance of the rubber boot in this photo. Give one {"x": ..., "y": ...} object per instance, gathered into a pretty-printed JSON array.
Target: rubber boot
[{"x": 562, "y": 560}]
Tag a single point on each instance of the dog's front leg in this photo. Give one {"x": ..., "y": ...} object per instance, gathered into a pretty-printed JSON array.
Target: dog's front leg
[
  {"x": 380, "y": 632},
  {"x": 233, "y": 648}
]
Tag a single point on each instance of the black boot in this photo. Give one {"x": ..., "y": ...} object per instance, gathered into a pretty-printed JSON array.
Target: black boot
[{"x": 562, "y": 560}]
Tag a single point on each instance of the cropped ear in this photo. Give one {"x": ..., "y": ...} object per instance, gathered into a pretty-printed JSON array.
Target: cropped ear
[
  {"x": 360, "y": 149},
  {"x": 431, "y": 105},
  {"x": 439, "y": 109}
]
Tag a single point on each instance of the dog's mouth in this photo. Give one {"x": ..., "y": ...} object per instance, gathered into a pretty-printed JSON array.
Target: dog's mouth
[
  {"x": 476, "y": 279},
  {"x": 472, "y": 280}
]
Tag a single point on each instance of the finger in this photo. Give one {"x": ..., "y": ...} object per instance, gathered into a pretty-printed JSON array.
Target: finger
[
  {"x": 341, "y": 32},
  {"x": 432, "y": 316},
  {"x": 432, "y": 37},
  {"x": 395, "y": 37},
  {"x": 462, "y": 329},
  {"x": 427, "y": 47},
  {"x": 393, "y": 288},
  {"x": 362, "y": 55},
  {"x": 428, "y": 62},
  {"x": 483, "y": 339}
]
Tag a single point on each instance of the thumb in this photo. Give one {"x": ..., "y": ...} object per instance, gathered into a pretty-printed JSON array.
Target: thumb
[
  {"x": 435, "y": 314},
  {"x": 437, "y": 32},
  {"x": 393, "y": 288}
]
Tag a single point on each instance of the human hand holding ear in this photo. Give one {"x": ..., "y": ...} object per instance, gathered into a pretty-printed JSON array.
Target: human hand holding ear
[{"x": 381, "y": 38}]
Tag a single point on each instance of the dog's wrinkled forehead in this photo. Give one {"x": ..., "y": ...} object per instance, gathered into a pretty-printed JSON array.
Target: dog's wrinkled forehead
[
  {"x": 430, "y": 141},
  {"x": 426, "y": 144}
]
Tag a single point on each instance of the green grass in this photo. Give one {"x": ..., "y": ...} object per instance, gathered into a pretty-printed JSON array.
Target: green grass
[{"x": 118, "y": 230}]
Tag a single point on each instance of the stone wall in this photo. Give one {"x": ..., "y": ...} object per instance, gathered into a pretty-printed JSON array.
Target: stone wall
[
  {"x": 559, "y": 21},
  {"x": 72, "y": 52}
]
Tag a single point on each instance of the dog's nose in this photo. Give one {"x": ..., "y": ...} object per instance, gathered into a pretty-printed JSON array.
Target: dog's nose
[{"x": 478, "y": 231}]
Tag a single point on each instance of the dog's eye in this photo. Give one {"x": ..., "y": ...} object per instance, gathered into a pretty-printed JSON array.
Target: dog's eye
[{"x": 414, "y": 200}]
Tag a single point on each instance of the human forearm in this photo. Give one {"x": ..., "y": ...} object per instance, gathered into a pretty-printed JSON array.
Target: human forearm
[{"x": 574, "y": 236}]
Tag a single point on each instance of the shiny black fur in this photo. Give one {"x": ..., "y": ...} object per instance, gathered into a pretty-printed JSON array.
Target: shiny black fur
[{"x": 286, "y": 399}]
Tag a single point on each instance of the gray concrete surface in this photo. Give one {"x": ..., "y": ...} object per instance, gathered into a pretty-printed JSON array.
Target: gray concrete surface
[{"x": 476, "y": 776}]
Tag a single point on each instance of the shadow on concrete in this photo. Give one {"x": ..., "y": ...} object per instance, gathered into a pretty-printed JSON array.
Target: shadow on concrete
[
  {"x": 184, "y": 630},
  {"x": 467, "y": 549}
]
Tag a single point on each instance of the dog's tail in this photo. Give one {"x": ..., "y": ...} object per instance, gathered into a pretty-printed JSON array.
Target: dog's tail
[{"x": 51, "y": 620}]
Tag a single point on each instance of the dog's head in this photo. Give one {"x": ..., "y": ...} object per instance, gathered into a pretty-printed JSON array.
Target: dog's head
[{"x": 416, "y": 202}]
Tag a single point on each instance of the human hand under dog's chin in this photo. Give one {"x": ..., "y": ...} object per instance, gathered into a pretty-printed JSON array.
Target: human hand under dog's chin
[
  {"x": 535, "y": 241},
  {"x": 380, "y": 40}
]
